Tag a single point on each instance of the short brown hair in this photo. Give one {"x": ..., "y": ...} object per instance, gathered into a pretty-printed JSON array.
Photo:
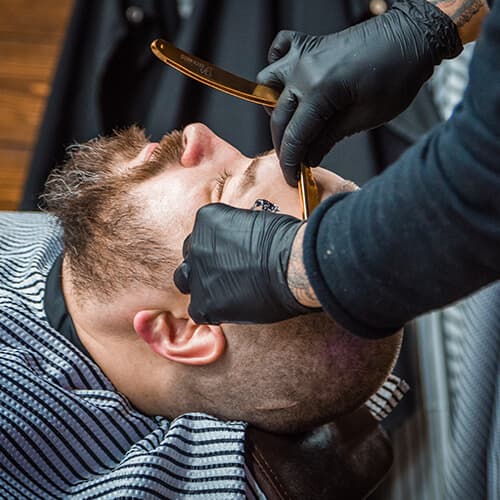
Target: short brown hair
[{"x": 106, "y": 237}]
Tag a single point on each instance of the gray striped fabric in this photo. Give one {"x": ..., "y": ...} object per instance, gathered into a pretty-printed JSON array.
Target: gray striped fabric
[
  {"x": 449, "y": 81},
  {"x": 449, "y": 449},
  {"x": 64, "y": 430},
  {"x": 473, "y": 359},
  {"x": 470, "y": 341}
]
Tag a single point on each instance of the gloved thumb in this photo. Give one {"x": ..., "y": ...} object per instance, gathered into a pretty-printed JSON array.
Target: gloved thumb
[
  {"x": 338, "y": 127},
  {"x": 181, "y": 277},
  {"x": 285, "y": 56}
]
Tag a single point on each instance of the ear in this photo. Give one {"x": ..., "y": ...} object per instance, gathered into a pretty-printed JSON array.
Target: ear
[{"x": 180, "y": 339}]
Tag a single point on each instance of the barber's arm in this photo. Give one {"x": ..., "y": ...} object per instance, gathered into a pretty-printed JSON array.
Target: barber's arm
[
  {"x": 422, "y": 234},
  {"x": 467, "y": 15},
  {"x": 427, "y": 231},
  {"x": 336, "y": 85}
]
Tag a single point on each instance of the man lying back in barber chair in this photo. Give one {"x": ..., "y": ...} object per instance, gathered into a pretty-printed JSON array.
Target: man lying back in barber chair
[{"x": 106, "y": 382}]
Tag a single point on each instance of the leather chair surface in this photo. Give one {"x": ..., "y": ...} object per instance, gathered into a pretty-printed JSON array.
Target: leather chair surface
[{"x": 345, "y": 459}]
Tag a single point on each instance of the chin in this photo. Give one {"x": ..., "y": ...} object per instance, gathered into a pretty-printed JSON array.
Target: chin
[
  {"x": 298, "y": 420},
  {"x": 330, "y": 183}
]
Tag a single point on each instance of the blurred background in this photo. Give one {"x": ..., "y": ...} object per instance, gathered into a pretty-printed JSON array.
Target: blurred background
[
  {"x": 73, "y": 69},
  {"x": 31, "y": 35}
]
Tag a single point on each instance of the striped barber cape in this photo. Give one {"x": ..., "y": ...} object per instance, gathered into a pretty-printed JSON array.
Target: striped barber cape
[{"x": 64, "y": 430}]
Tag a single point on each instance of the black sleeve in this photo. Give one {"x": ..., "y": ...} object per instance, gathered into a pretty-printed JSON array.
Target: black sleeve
[{"x": 427, "y": 231}]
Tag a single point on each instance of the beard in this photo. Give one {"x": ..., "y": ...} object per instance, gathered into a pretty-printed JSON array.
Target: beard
[
  {"x": 105, "y": 233},
  {"x": 126, "y": 144},
  {"x": 168, "y": 153},
  {"x": 170, "y": 149}
]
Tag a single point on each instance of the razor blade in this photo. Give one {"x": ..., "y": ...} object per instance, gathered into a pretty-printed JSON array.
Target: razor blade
[{"x": 217, "y": 78}]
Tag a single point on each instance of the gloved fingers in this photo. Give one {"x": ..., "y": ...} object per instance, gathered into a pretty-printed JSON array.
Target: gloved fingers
[
  {"x": 340, "y": 126},
  {"x": 186, "y": 246},
  {"x": 268, "y": 110},
  {"x": 183, "y": 271},
  {"x": 214, "y": 215},
  {"x": 280, "y": 45},
  {"x": 276, "y": 74},
  {"x": 318, "y": 150},
  {"x": 181, "y": 277},
  {"x": 334, "y": 131},
  {"x": 306, "y": 124},
  {"x": 281, "y": 116},
  {"x": 200, "y": 317}
]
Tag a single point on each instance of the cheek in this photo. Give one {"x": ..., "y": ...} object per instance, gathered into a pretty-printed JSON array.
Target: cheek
[
  {"x": 180, "y": 202},
  {"x": 270, "y": 185},
  {"x": 330, "y": 183},
  {"x": 289, "y": 203}
]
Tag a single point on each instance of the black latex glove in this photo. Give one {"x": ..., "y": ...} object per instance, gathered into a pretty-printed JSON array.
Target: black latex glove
[
  {"x": 235, "y": 265},
  {"x": 339, "y": 84}
]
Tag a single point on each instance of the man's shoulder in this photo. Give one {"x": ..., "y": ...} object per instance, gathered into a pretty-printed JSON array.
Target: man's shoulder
[
  {"x": 22, "y": 230},
  {"x": 27, "y": 223},
  {"x": 31, "y": 350},
  {"x": 29, "y": 244}
]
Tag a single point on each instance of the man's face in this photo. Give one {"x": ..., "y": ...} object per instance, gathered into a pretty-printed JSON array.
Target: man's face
[
  {"x": 211, "y": 170},
  {"x": 294, "y": 369}
]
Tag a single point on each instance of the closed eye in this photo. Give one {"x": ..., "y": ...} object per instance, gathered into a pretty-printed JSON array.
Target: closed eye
[{"x": 220, "y": 183}]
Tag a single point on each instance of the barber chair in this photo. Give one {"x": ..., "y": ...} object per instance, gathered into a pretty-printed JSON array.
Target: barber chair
[{"x": 345, "y": 459}]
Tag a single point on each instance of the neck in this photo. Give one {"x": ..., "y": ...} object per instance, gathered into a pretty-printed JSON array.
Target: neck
[{"x": 105, "y": 329}]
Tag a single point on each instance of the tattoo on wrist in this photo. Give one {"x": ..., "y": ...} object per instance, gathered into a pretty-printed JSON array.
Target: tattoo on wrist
[
  {"x": 300, "y": 287},
  {"x": 297, "y": 278},
  {"x": 460, "y": 11}
]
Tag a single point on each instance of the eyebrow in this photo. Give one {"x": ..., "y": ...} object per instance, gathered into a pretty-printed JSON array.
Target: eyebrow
[{"x": 248, "y": 177}]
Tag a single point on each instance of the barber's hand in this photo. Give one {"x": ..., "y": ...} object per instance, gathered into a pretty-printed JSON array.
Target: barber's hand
[
  {"x": 339, "y": 84},
  {"x": 235, "y": 265}
]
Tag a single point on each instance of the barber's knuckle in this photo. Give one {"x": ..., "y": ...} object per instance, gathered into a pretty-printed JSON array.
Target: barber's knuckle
[
  {"x": 317, "y": 109},
  {"x": 207, "y": 211},
  {"x": 298, "y": 38},
  {"x": 285, "y": 34},
  {"x": 349, "y": 186},
  {"x": 276, "y": 76},
  {"x": 287, "y": 99}
]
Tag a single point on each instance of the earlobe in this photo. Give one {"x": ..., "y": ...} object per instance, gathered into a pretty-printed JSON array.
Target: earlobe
[{"x": 179, "y": 339}]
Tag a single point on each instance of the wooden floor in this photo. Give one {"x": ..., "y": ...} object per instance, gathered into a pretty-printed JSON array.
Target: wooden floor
[{"x": 31, "y": 32}]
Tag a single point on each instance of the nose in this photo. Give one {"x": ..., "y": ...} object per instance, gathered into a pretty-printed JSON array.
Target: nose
[{"x": 200, "y": 144}]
